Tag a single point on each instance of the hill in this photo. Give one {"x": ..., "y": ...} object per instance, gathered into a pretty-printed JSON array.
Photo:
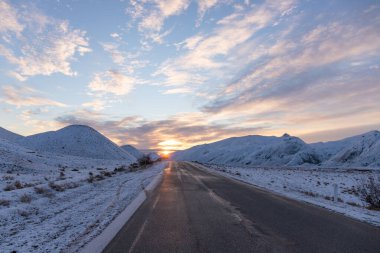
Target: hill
[
  {"x": 361, "y": 150},
  {"x": 10, "y": 136},
  {"x": 133, "y": 151},
  {"x": 76, "y": 140}
]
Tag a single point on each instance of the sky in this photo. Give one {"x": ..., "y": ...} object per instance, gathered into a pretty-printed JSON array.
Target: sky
[{"x": 171, "y": 74}]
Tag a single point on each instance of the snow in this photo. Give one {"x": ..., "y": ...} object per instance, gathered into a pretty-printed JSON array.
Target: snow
[
  {"x": 133, "y": 151},
  {"x": 64, "y": 221},
  {"x": 312, "y": 185},
  {"x": 54, "y": 199},
  {"x": 358, "y": 151},
  {"x": 153, "y": 156},
  {"x": 76, "y": 140},
  {"x": 10, "y": 136}
]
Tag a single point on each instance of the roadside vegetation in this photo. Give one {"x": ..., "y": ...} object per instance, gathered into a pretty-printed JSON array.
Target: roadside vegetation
[{"x": 369, "y": 192}]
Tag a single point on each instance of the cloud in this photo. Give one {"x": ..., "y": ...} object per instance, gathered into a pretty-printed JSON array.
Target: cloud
[
  {"x": 159, "y": 11},
  {"x": 203, "y": 6},
  {"x": 206, "y": 55},
  {"x": 177, "y": 132},
  {"x": 9, "y": 22},
  {"x": 151, "y": 15},
  {"x": 25, "y": 96},
  {"x": 290, "y": 68},
  {"x": 96, "y": 104},
  {"x": 116, "y": 55},
  {"x": 178, "y": 91},
  {"x": 38, "y": 44},
  {"x": 112, "y": 82}
]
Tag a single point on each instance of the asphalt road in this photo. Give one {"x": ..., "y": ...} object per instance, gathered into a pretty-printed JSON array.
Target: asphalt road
[{"x": 195, "y": 211}]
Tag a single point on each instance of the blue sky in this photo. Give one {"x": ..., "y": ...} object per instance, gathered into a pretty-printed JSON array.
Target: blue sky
[{"x": 172, "y": 74}]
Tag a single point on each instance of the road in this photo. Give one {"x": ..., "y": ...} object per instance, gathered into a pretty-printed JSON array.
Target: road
[{"x": 195, "y": 211}]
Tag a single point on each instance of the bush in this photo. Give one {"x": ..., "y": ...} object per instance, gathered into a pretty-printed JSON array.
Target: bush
[
  {"x": 145, "y": 160},
  {"x": 18, "y": 185},
  {"x": 369, "y": 192},
  {"x": 25, "y": 198},
  {"x": 90, "y": 178},
  {"x": 9, "y": 187},
  {"x": 43, "y": 191},
  {"x": 119, "y": 169},
  {"x": 56, "y": 187},
  {"x": 4, "y": 202}
]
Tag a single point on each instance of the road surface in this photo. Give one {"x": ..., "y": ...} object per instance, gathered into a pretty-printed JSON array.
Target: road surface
[{"x": 195, "y": 211}]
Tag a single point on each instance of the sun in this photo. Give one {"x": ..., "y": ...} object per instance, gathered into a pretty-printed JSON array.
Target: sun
[{"x": 165, "y": 153}]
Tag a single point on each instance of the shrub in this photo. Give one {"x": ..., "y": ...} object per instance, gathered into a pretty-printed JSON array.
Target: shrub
[
  {"x": 133, "y": 167},
  {"x": 25, "y": 198},
  {"x": 18, "y": 185},
  {"x": 43, "y": 191},
  {"x": 4, "y": 202},
  {"x": 119, "y": 169},
  {"x": 106, "y": 173},
  {"x": 369, "y": 191},
  {"x": 9, "y": 187},
  {"x": 23, "y": 213},
  {"x": 90, "y": 178},
  {"x": 145, "y": 160},
  {"x": 61, "y": 175},
  {"x": 56, "y": 187}
]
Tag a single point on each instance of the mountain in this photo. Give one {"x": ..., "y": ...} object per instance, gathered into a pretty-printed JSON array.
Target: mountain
[
  {"x": 133, "y": 151},
  {"x": 76, "y": 140},
  {"x": 10, "y": 136},
  {"x": 361, "y": 150},
  {"x": 252, "y": 150}
]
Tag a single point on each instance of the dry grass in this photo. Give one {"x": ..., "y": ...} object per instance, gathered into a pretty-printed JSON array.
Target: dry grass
[
  {"x": 5, "y": 202},
  {"x": 25, "y": 198}
]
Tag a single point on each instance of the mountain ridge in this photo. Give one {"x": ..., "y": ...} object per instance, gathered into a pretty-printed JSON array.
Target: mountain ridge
[{"x": 359, "y": 150}]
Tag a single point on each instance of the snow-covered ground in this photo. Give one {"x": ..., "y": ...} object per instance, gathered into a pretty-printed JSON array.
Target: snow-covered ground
[
  {"x": 312, "y": 185},
  {"x": 60, "y": 189},
  {"x": 68, "y": 212}
]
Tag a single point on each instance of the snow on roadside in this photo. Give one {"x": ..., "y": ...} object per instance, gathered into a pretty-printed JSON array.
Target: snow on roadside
[
  {"x": 54, "y": 221},
  {"x": 312, "y": 185}
]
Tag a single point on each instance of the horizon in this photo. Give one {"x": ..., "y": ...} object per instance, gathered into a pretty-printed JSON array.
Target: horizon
[
  {"x": 169, "y": 75},
  {"x": 166, "y": 152}
]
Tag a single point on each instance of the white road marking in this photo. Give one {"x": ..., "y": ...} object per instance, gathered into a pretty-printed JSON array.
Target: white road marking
[
  {"x": 156, "y": 201},
  {"x": 141, "y": 230}
]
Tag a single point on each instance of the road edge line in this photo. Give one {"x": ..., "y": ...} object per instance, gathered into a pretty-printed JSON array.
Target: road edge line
[{"x": 100, "y": 242}]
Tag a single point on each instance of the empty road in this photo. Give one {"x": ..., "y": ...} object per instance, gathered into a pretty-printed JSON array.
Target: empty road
[{"x": 196, "y": 211}]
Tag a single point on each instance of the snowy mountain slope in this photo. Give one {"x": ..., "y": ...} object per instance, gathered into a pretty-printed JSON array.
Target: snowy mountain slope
[
  {"x": 252, "y": 150},
  {"x": 76, "y": 140},
  {"x": 10, "y": 136},
  {"x": 361, "y": 150},
  {"x": 133, "y": 151},
  {"x": 153, "y": 156}
]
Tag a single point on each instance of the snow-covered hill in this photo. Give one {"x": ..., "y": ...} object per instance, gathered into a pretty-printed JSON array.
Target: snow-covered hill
[
  {"x": 133, "y": 151},
  {"x": 252, "y": 150},
  {"x": 10, "y": 136},
  {"x": 361, "y": 150},
  {"x": 76, "y": 140}
]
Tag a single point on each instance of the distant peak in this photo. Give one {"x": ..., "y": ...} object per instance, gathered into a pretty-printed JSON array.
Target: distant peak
[
  {"x": 78, "y": 126},
  {"x": 285, "y": 135}
]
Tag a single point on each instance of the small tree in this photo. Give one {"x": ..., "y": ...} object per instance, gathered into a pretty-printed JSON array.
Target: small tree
[
  {"x": 145, "y": 160},
  {"x": 369, "y": 192}
]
